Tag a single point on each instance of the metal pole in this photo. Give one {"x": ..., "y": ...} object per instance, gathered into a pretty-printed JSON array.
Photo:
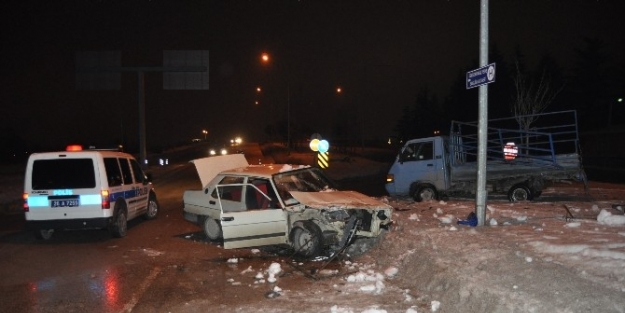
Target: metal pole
[
  {"x": 142, "y": 136},
  {"x": 288, "y": 117},
  {"x": 483, "y": 120}
]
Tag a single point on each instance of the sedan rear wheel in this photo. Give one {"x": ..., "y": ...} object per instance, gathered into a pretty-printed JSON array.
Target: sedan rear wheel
[{"x": 212, "y": 229}]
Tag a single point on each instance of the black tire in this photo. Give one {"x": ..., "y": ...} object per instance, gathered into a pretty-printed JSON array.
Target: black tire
[
  {"x": 519, "y": 192},
  {"x": 152, "y": 209},
  {"x": 307, "y": 240},
  {"x": 425, "y": 193},
  {"x": 212, "y": 229},
  {"x": 119, "y": 227},
  {"x": 44, "y": 234}
]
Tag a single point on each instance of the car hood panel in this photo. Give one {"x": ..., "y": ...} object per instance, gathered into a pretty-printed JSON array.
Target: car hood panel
[
  {"x": 343, "y": 199},
  {"x": 208, "y": 168}
]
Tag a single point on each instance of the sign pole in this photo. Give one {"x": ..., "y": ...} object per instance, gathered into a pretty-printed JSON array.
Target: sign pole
[{"x": 483, "y": 120}]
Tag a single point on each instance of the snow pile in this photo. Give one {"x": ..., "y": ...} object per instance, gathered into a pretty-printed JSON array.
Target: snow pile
[{"x": 607, "y": 218}]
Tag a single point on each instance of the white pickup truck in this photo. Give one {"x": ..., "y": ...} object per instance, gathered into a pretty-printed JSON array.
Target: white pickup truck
[{"x": 518, "y": 162}]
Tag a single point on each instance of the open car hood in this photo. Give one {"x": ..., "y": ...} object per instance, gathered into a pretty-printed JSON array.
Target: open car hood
[
  {"x": 348, "y": 199},
  {"x": 208, "y": 168}
]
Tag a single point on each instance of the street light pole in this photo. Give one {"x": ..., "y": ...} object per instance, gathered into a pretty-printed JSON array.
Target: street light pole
[
  {"x": 288, "y": 117},
  {"x": 265, "y": 59}
]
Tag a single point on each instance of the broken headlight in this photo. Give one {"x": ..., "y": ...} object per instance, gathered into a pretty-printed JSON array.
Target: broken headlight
[{"x": 336, "y": 215}]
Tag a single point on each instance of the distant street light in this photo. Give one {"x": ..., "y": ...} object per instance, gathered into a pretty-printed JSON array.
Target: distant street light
[
  {"x": 265, "y": 59},
  {"x": 258, "y": 89},
  {"x": 339, "y": 89},
  {"x": 205, "y": 132}
]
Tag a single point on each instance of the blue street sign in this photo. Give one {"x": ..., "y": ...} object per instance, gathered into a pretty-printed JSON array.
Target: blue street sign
[{"x": 481, "y": 76}]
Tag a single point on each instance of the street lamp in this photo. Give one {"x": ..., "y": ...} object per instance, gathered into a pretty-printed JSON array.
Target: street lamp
[
  {"x": 205, "y": 132},
  {"x": 265, "y": 59}
]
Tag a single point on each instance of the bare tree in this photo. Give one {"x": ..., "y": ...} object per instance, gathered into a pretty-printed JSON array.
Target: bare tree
[{"x": 533, "y": 96}]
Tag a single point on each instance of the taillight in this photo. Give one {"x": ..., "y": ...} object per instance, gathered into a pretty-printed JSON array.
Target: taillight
[
  {"x": 25, "y": 197},
  {"x": 106, "y": 202}
]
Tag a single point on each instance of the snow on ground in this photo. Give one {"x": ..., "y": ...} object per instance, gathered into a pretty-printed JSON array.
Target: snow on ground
[
  {"x": 562, "y": 253},
  {"x": 536, "y": 257}
]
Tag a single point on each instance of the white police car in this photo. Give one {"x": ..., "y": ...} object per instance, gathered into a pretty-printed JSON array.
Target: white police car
[{"x": 85, "y": 189}]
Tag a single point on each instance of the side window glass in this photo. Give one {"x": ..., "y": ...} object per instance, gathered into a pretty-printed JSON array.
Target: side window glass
[
  {"x": 427, "y": 151},
  {"x": 126, "y": 173},
  {"x": 232, "y": 193},
  {"x": 137, "y": 171},
  {"x": 113, "y": 174},
  {"x": 257, "y": 191},
  {"x": 410, "y": 152},
  {"x": 418, "y": 151}
]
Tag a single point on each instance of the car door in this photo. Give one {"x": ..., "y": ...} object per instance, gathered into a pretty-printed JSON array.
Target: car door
[
  {"x": 141, "y": 187},
  {"x": 255, "y": 224},
  {"x": 417, "y": 163}
]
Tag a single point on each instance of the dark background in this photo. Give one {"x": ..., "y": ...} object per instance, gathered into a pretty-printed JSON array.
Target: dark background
[{"x": 391, "y": 58}]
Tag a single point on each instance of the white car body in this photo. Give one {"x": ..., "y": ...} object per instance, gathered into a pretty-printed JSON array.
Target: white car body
[{"x": 279, "y": 204}]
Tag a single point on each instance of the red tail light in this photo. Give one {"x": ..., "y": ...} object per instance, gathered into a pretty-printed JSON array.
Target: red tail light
[
  {"x": 25, "y": 197},
  {"x": 106, "y": 202}
]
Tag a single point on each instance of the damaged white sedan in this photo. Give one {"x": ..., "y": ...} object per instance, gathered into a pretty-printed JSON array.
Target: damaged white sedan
[{"x": 279, "y": 204}]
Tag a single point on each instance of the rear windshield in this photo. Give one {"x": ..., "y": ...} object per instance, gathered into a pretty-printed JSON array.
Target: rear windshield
[{"x": 63, "y": 174}]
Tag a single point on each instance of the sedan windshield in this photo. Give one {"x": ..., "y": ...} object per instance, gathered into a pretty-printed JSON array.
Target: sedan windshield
[{"x": 305, "y": 180}]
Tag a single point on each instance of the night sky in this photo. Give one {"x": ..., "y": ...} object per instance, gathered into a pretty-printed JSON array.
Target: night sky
[{"x": 379, "y": 52}]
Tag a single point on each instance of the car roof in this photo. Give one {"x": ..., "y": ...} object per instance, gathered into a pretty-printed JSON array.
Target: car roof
[
  {"x": 263, "y": 170},
  {"x": 83, "y": 153}
]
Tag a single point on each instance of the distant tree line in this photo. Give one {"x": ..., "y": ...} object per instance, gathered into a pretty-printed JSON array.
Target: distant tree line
[{"x": 592, "y": 87}]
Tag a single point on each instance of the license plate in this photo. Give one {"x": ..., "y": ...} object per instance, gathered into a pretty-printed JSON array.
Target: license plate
[{"x": 64, "y": 203}]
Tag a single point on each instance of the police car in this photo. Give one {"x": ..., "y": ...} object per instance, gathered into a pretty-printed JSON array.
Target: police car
[{"x": 85, "y": 189}]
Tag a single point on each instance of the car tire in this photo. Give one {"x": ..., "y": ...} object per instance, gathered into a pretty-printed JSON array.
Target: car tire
[
  {"x": 519, "y": 192},
  {"x": 152, "y": 209},
  {"x": 119, "y": 227},
  {"x": 44, "y": 234},
  {"x": 425, "y": 193},
  {"x": 307, "y": 240},
  {"x": 212, "y": 229}
]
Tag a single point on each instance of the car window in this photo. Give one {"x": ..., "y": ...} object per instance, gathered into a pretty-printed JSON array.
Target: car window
[
  {"x": 226, "y": 192},
  {"x": 63, "y": 174},
  {"x": 126, "y": 173},
  {"x": 257, "y": 191},
  {"x": 138, "y": 172},
  {"x": 418, "y": 151},
  {"x": 113, "y": 173},
  {"x": 305, "y": 180}
]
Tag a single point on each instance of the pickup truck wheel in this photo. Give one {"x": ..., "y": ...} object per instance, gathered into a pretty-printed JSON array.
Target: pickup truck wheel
[
  {"x": 152, "y": 208},
  {"x": 307, "y": 240},
  {"x": 44, "y": 234},
  {"x": 519, "y": 193},
  {"x": 212, "y": 229},
  {"x": 424, "y": 193}
]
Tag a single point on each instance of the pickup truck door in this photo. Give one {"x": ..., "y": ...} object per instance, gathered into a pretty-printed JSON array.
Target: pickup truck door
[
  {"x": 417, "y": 162},
  {"x": 251, "y": 225}
]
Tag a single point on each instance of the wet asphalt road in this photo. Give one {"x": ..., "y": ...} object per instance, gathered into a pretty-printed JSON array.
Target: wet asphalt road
[{"x": 162, "y": 265}]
